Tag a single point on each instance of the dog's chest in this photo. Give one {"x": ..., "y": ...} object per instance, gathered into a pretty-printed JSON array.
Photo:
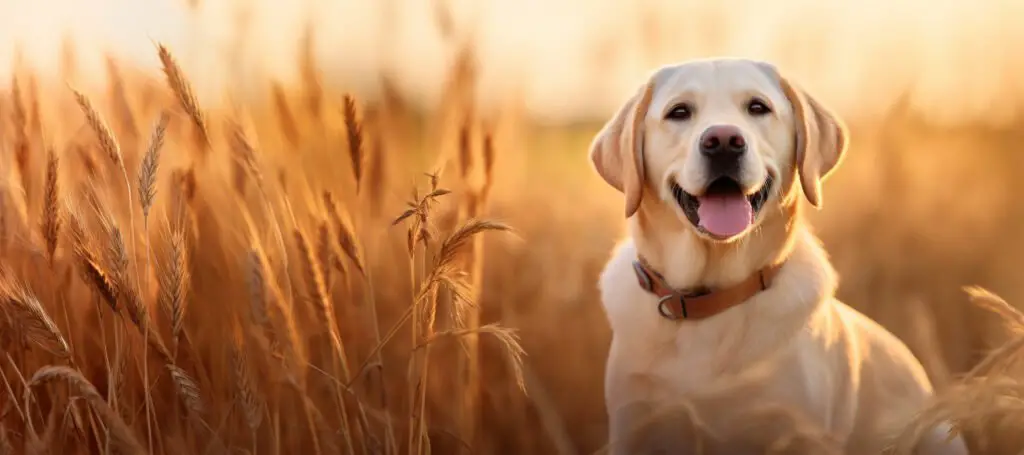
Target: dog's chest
[
  {"x": 712, "y": 357},
  {"x": 714, "y": 375},
  {"x": 687, "y": 358}
]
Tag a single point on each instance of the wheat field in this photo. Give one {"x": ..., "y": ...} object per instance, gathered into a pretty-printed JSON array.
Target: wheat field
[{"x": 322, "y": 271}]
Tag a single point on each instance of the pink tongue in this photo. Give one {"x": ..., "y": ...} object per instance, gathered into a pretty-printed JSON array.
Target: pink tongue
[{"x": 725, "y": 215}]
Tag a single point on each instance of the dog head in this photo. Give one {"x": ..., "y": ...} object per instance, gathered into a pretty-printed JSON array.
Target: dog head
[{"x": 719, "y": 141}]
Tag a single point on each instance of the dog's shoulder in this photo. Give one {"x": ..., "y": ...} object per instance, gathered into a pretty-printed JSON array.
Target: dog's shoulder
[
  {"x": 628, "y": 307},
  {"x": 892, "y": 363},
  {"x": 618, "y": 272},
  {"x": 892, "y": 384}
]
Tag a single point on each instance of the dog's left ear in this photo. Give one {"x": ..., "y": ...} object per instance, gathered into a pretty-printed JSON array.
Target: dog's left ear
[
  {"x": 821, "y": 139},
  {"x": 617, "y": 150}
]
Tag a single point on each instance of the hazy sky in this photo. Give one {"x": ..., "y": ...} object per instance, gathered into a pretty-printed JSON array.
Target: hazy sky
[{"x": 568, "y": 59}]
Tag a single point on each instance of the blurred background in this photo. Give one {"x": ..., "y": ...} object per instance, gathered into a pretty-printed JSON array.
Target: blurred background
[{"x": 924, "y": 204}]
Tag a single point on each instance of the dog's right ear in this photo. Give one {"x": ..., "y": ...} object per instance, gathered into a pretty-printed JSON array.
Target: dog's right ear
[
  {"x": 821, "y": 137},
  {"x": 617, "y": 150},
  {"x": 821, "y": 140}
]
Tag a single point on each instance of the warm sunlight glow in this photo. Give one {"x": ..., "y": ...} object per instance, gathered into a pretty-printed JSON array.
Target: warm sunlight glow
[
  {"x": 390, "y": 227},
  {"x": 571, "y": 58}
]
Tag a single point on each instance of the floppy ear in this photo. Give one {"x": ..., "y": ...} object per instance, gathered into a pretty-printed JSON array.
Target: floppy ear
[
  {"x": 821, "y": 140},
  {"x": 617, "y": 150}
]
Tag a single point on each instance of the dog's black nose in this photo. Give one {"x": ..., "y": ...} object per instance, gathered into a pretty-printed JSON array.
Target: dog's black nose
[{"x": 722, "y": 143}]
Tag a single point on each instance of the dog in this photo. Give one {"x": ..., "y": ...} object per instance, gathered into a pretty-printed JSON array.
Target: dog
[{"x": 721, "y": 276}]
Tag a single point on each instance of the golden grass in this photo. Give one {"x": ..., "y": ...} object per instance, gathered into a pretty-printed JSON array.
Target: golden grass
[
  {"x": 283, "y": 339},
  {"x": 278, "y": 297}
]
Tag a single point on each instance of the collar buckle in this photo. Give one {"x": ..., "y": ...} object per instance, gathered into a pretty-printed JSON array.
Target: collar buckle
[{"x": 666, "y": 311}]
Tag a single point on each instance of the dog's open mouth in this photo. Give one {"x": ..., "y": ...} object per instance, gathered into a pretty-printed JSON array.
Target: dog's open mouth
[{"x": 723, "y": 211}]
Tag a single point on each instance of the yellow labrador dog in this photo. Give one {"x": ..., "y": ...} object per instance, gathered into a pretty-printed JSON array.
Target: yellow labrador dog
[{"x": 721, "y": 274}]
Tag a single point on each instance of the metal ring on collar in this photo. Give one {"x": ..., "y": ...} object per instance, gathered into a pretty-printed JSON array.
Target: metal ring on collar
[{"x": 663, "y": 309}]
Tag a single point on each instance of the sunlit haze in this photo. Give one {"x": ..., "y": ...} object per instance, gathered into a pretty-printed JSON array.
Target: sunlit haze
[
  {"x": 568, "y": 59},
  {"x": 383, "y": 227}
]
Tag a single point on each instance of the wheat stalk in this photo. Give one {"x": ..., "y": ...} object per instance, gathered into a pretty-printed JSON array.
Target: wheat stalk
[
  {"x": 117, "y": 257},
  {"x": 308, "y": 70},
  {"x": 285, "y": 331},
  {"x": 147, "y": 194},
  {"x": 285, "y": 117},
  {"x": 182, "y": 89},
  {"x": 150, "y": 163},
  {"x": 1011, "y": 316},
  {"x": 507, "y": 337},
  {"x": 252, "y": 404},
  {"x": 128, "y": 297},
  {"x": 473, "y": 205},
  {"x": 257, "y": 289},
  {"x": 131, "y": 301},
  {"x": 121, "y": 435},
  {"x": 50, "y": 225},
  {"x": 244, "y": 155},
  {"x": 32, "y": 320},
  {"x": 100, "y": 128},
  {"x": 354, "y": 135},
  {"x": 109, "y": 145},
  {"x": 345, "y": 232},
  {"x": 465, "y": 149},
  {"x": 443, "y": 273},
  {"x": 92, "y": 270},
  {"x": 187, "y": 389},
  {"x": 183, "y": 196},
  {"x": 325, "y": 252},
  {"x": 318, "y": 289},
  {"x": 418, "y": 213},
  {"x": 174, "y": 283}
]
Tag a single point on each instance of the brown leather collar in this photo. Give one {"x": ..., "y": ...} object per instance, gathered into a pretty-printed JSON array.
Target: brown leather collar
[{"x": 700, "y": 303}]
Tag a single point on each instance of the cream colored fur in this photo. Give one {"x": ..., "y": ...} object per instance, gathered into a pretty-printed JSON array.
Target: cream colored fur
[{"x": 844, "y": 371}]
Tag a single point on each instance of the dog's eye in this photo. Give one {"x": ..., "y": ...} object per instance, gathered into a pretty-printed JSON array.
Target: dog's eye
[
  {"x": 679, "y": 112},
  {"x": 757, "y": 107}
]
